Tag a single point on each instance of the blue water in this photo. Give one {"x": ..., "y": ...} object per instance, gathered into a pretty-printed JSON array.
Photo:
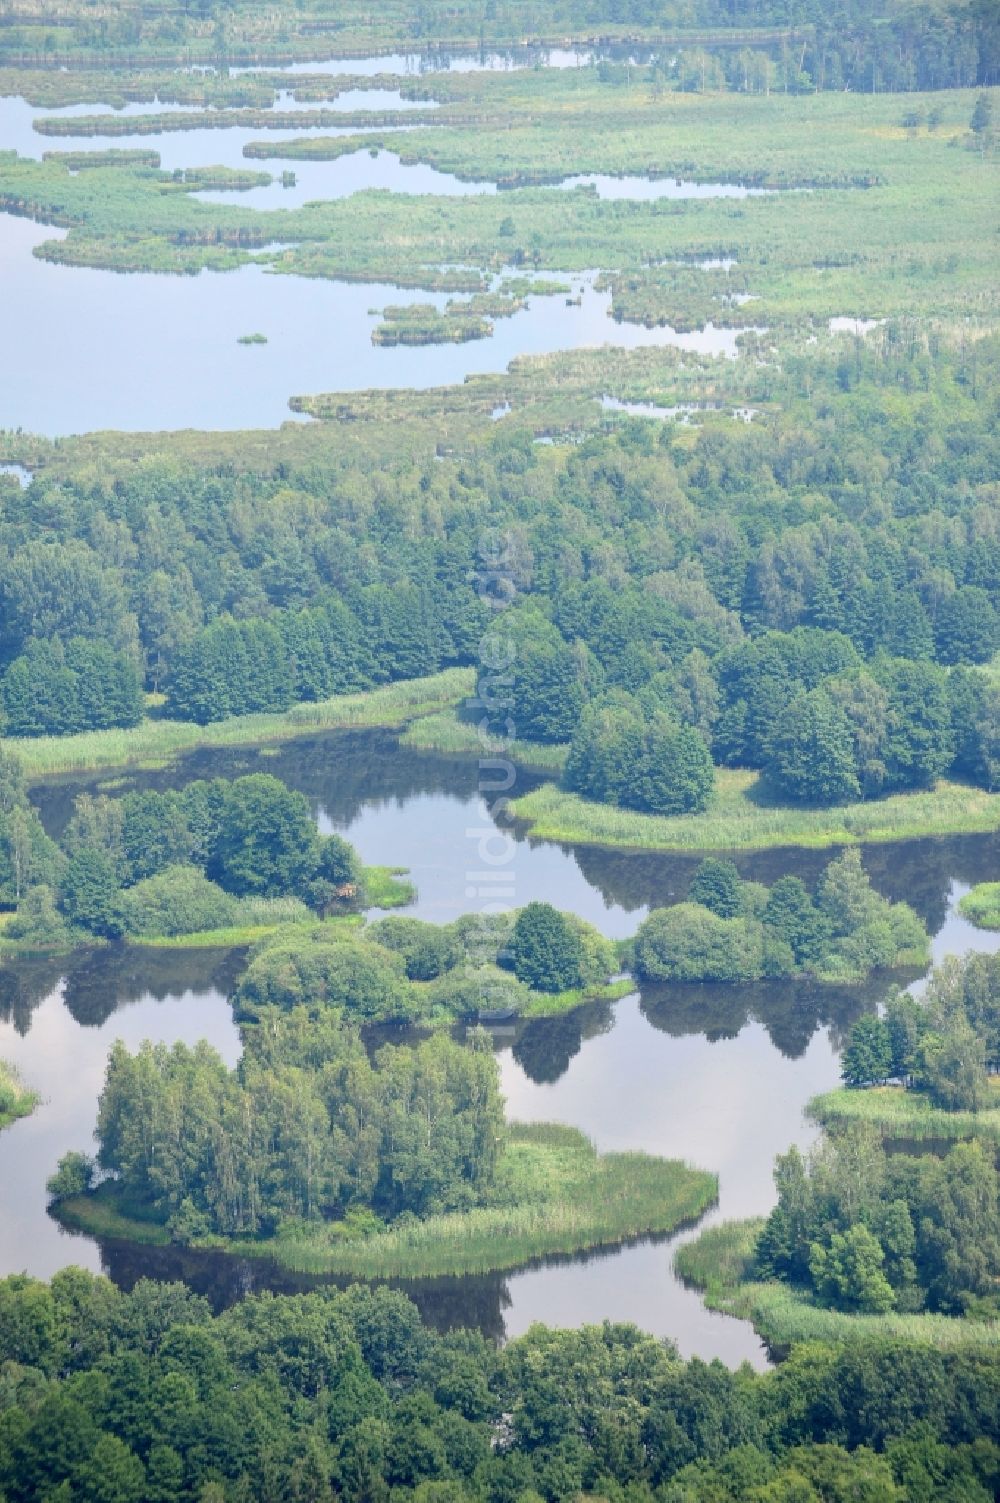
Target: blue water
[{"x": 169, "y": 358}]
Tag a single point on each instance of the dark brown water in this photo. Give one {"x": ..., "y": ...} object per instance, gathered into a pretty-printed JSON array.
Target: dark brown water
[{"x": 715, "y": 1075}]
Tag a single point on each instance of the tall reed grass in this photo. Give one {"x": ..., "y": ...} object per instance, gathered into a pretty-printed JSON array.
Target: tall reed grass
[
  {"x": 899, "y": 1113},
  {"x": 156, "y": 742},
  {"x": 445, "y": 732},
  {"x": 555, "y": 1195},
  {"x": 739, "y": 819},
  {"x": 981, "y": 906},
  {"x": 16, "y": 1100}
]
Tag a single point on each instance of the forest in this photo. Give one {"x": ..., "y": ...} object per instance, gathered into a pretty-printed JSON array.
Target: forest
[
  {"x": 784, "y": 599},
  {"x": 893, "y": 1215},
  {"x": 148, "y": 1396},
  {"x": 308, "y": 1126}
]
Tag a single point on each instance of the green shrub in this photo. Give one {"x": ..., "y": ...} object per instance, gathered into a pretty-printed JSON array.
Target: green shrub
[
  {"x": 38, "y": 924},
  {"x": 546, "y": 952},
  {"x": 179, "y": 900},
  {"x": 74, "y": 1176},
  {"x": 427, "y": 950},
  {"x": 364, "y": 979},
  {"x": 467, "y": 990},
  {"x": 690, "y": 943}
]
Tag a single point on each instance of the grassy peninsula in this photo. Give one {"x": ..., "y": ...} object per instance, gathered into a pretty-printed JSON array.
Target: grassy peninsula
[
  {"x": 446, "y": 731},
  {"x": 742, "y": 818},
  {"x": 719, "y": 1262},
  {"x": 981, "y": 906},
  {"x": 899, "y": 1113}
]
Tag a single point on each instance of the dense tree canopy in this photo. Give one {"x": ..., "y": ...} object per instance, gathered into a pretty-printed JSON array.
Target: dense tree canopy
[
  {"x": 730, "y": 930},
  {"x": 148, "y": 1396},
  {"x": 761, "y": 613},
  {"x": 873, "y": 1232},
  {"x": 943, "y": 1044},
  {"x": 305, "y": 1129}
]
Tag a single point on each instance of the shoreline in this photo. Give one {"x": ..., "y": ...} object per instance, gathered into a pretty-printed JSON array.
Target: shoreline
[
  {"x": 716, "y": 1263},
  {"x": 158, "y": 743}
]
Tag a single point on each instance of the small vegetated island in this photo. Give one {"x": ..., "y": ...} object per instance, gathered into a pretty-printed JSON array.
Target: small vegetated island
[
  {"x": 16, "y": 1100},
  {"x": 731, "y": 930},
  {"x": 532, "y": 962},
  {"x": 981, "y": 905},
  {"x": 869, "y": 1231},
  {"x": 315, "y": 1155},
  {"x": 240, "y": 862},
  {"x": 927, "y": 1068}
]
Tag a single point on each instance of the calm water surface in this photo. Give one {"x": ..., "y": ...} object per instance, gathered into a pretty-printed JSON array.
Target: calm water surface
[
  {"x": 367, "y": 169},
  {"x": 491, "y": 61},
  {"x": 169, "y": 358},
  {"x": 715, "y": 1075},
  {"x": 645, "y": 188}
]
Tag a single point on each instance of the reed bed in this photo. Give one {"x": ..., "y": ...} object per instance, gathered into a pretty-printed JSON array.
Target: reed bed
[
  {"x": 899, "y": 1113},
  {"x": 156, "y": 742},
  {"x": 981, "y": 906},
  {"x": 561, "y": 1197},
  {"x": 447, "y": 732},
  {"x": 874, "y": 187},
  {"x": 739, "y": 819},
  {"x": 16, "y": 1100},
  {"x": 556, "y": 1195},
  {"x": 387, "y": 887},
  {"x": 550, "y": 1005}
]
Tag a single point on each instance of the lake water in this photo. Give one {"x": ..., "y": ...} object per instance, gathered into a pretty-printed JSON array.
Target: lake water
[
  {"x": 169, "y": 357},
  {"x": 646, "y": 189},
  {"x": 716, "y": 1075},
  {"x": 683, "y": 413},
  {"x": 419, "y": 63},
  {"x": 360, "y": 170},
  {"x": 205, "y": 146},
  {"x": 713, "y": 1074}
]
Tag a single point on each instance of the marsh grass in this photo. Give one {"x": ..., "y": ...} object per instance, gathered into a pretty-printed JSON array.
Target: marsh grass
[
  {"x": 102, "y": 1214},
  {"x": 233, "y": 937},
  {"x": 529, "y": 128},
  {"x": 447, "y": 731},
  {"x": 157, "y": 742},
  {"x": 981, "y": 906},
  {"x": 15, "y": 1099},
  {"x": 387, "y": 887},
  {"x": 740, "y": 818},
  {"x": 720, "y": 1263},
  {"x": 899, "y": 1113},
  {"x": 555, "y": 1195},
  {"x": 550, "y": 1005}
]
